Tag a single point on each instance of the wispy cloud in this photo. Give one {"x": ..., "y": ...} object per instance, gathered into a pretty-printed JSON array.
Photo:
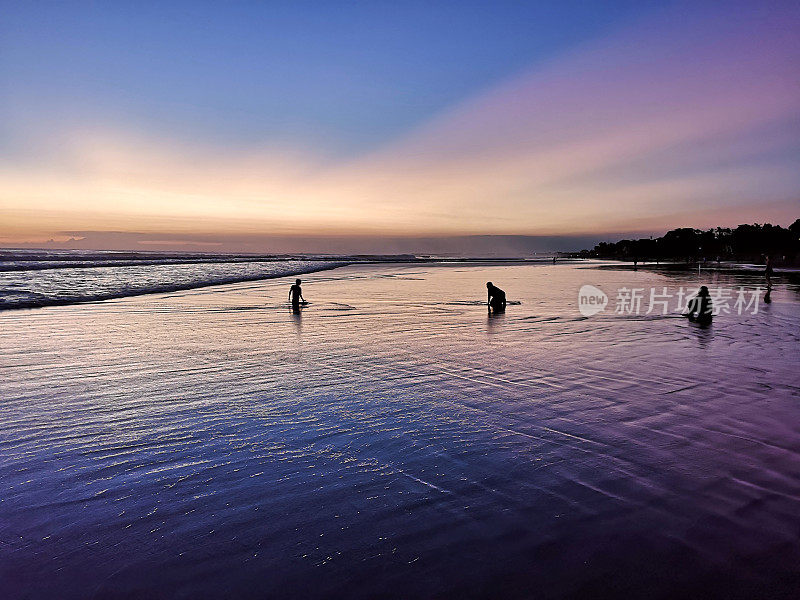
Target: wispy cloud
[{"x": 687, "y": 114}]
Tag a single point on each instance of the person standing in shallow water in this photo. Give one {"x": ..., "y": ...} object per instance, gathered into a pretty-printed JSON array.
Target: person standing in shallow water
[
  {"x": 296, "y": 294},
  {"x": 496, "y": 298},
  {"x": 768, "y": 272},
  {"x": 699, "y": 308}
]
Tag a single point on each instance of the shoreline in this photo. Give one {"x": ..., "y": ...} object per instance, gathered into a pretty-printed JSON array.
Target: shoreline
[
  {"x": 729, "y": 268},
  {"x": 61, "y": 297},
  {"x": 166, "y": 289}
]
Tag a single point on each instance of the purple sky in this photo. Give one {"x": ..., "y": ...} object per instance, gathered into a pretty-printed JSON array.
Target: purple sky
[{"x": 240, "y": 127}]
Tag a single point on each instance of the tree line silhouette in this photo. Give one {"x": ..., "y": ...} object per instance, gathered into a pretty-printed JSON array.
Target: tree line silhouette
[{"x": 752, "y": 243}]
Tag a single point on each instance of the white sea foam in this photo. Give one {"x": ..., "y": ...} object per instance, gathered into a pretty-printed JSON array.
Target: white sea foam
[{"x": 41, "y": 278}]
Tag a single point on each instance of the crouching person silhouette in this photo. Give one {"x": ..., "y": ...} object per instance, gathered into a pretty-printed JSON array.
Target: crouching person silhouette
[
  {"x": 496, "y": 300},
  {"x": 699, "y": 308}
]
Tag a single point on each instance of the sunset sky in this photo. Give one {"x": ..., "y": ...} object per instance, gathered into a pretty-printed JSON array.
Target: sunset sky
[{"x": 230, "y": 125}]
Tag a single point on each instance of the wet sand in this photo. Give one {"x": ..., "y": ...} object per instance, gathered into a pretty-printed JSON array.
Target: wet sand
[{"x": 395, "y": 440}]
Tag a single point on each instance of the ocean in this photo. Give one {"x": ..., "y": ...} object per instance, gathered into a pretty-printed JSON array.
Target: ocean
[
  {"x": 34, "y": 278},
  {"x": 394, "y": 439}
]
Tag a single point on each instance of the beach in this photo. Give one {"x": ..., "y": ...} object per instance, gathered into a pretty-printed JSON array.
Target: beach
[{"x": 394, "y": 439}]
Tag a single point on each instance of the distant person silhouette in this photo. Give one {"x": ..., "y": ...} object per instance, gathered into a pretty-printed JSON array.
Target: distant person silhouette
[
  {"x": 296, "y": 295},
  {"x": 768, "y": 272},
  {"x": 699, "y": 308},
  {"x": 496, "y": 298}
]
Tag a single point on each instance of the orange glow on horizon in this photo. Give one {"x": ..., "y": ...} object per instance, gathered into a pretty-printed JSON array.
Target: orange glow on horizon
[{"x": 595, "y": 142}]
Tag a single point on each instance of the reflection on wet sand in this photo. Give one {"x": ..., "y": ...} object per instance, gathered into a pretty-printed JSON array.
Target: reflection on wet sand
[{"x": 177, "y": 445}]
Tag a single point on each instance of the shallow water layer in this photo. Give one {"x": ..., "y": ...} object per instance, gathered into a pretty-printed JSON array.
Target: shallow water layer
[
  {"x": 31, "y": 279},
  {"x": 395, "y": 440}
]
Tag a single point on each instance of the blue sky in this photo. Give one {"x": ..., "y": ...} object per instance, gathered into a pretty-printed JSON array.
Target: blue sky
[
  {"x": 346, "y": 75},
  {"x": 227, "y": 121}
]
